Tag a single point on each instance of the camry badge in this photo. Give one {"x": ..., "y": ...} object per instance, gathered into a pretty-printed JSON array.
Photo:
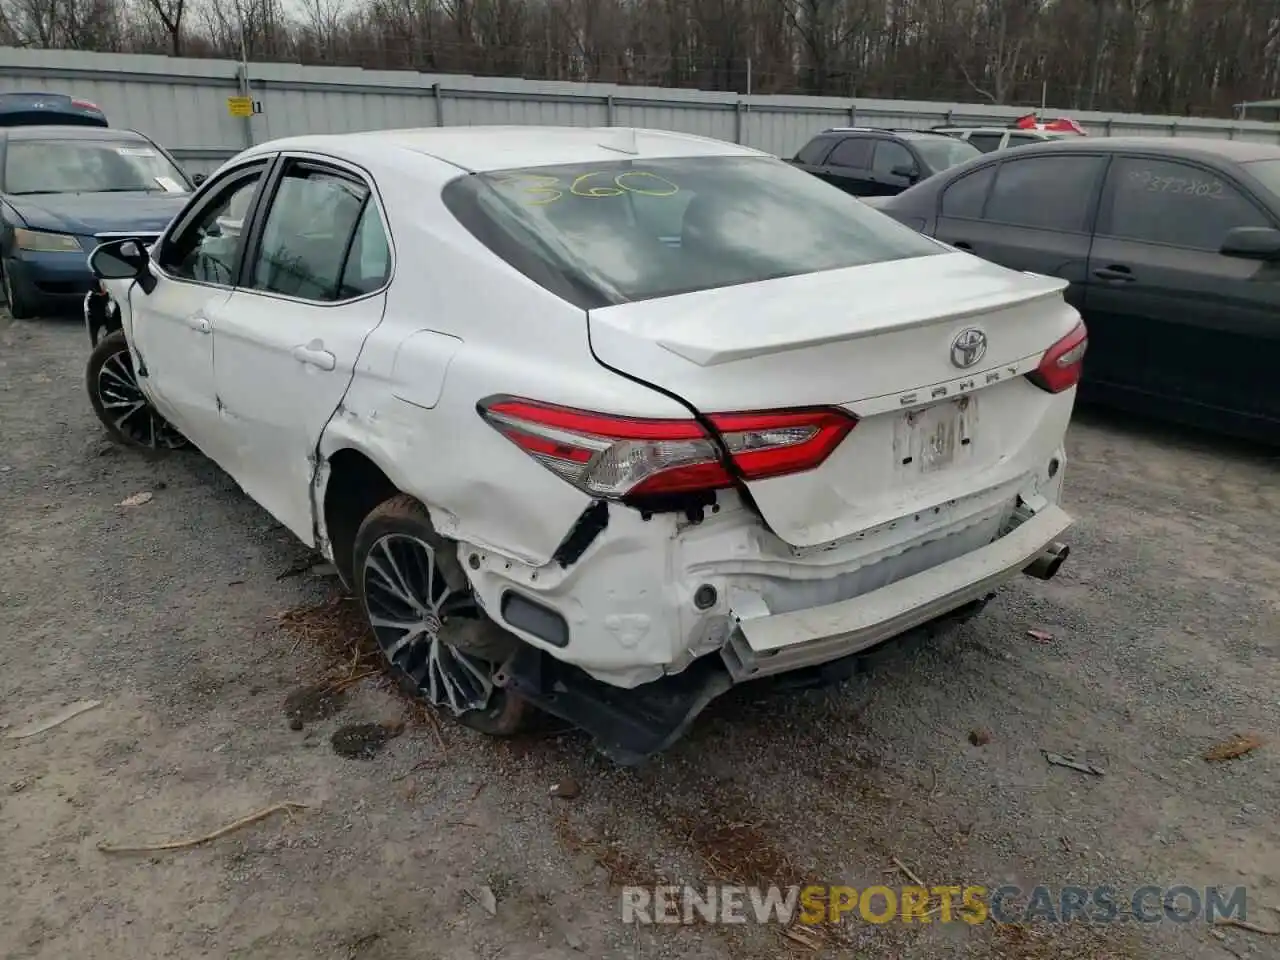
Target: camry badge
[{"x": 968, "y": 347}]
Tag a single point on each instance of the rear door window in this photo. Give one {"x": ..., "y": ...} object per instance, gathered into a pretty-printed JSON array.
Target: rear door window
[
  {"x": 986, "y": 142},
  {"x": 965, "y": 198},
  {"x": 308, "y": 233},
  {"x": 815, "y": 151},
  {"x": 891, "y": 156},
  {"x": 854, "y": 152},
  {"x": 1050, "y": 193},
  {"x": 1161, "y": 201}
]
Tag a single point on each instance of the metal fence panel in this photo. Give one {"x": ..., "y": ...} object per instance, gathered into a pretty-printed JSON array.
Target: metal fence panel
[{"x": 182, "y": 103}]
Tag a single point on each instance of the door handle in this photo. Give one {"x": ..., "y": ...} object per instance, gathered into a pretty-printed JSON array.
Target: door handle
[
  {"x": 1115, "y": 273},
  {"x": 314, "y": 354},
  {"x": 200, "y": 324}
]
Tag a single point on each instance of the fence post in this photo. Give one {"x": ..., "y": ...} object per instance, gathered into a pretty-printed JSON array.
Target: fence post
[
  {"x": 242, "y": 81},
  {"x": 608, "y": 110},
  {"x": 438, "y": 93},
  {"x": 740, "y": 111},
  {"x": 853, "y": 114}
]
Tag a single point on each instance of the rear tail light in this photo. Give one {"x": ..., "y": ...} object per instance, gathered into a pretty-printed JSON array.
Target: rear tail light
[
  {"x": 616, "y": 457},
  {"x": 1062, "y": 363},
  {"x": 86, "y": 105}
]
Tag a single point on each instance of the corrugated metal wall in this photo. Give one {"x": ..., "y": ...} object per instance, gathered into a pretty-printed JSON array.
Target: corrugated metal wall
[{"x": 183, "y": 104}]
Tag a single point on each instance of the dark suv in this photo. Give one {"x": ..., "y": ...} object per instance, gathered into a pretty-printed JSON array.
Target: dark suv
[{"x": 870, "y": 162}]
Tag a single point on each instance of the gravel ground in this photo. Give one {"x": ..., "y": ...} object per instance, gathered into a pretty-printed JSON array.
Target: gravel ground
[{"x": 1165, "y": 628}]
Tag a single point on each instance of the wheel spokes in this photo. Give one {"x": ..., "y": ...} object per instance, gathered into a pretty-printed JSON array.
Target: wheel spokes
[
  {"x": 132, "y": 414},
  {"x": 408, "y": 602}
]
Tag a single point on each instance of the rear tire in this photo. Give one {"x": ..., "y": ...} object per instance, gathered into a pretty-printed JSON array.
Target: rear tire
[{"x": 439, "y": 644}]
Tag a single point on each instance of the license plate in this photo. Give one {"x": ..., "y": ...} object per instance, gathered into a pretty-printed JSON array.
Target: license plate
[{"x": 932, "y": 439}]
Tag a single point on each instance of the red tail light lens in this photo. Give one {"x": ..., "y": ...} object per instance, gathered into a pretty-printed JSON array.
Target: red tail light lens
[
  {"x": 86, "y": 105},
  {"x": 615, "y": 457},
  {"x": 1061, "y": 365}
]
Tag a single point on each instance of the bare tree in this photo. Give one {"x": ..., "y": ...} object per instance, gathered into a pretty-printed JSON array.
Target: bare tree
[
  {"x": 169, "y": 13},
  {"x": 1168, "y": 56}
]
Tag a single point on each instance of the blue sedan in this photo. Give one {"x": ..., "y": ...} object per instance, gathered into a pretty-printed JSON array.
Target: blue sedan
[{"x": 64, "y": 190}]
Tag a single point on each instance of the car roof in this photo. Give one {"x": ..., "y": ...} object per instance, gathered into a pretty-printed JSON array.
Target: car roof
[
  {"x": 903, "y": 133},
  {"x": 996, "y": 129},
  {"x": 480, "y": 149},
  {"x": 53, "y": 131},
  {"x": 921, "y": 135},
  {"x": 1241, "y": 151}
]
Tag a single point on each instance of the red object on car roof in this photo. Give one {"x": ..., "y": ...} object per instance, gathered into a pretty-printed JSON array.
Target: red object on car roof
[{"x": 1060, "y": 125}]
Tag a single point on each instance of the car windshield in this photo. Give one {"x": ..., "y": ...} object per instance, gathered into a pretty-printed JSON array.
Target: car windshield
[
  {"x": 619, "y": 231},
  {"x": 1267, "y": 172},
  {"x": 939, "y": 153},
  {"x": 88, "y": 166}
]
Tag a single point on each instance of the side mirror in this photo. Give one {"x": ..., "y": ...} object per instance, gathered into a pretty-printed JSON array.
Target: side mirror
[
  {"x": 1252, "y": 243},
  {"x": 910, "y": 173},
  {"x": 199, "y": 178},
  {"x": 122, "y": 260}
]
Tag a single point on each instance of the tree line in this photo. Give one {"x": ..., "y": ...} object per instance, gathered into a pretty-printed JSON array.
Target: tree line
[{"x": 1182, "y": 57}]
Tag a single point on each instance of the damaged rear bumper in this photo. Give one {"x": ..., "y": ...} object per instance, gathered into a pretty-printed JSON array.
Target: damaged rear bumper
[
  {"x": 765, "y": 646},
  {"x": 630, "y": 725}
]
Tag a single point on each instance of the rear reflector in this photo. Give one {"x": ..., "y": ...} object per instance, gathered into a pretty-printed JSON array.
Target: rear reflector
[
  {"x": 615, "y": 457},
  {"x": 1061, "y": 365}
]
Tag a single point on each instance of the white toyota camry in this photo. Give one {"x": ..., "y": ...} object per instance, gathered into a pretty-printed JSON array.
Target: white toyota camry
[{"x": 602, "y": 421}]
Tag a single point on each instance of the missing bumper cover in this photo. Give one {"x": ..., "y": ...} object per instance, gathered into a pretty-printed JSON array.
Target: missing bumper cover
[{"x": 627, "y": 725}]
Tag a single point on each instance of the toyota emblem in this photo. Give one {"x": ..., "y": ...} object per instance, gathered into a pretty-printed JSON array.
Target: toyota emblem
[{"x": 968, "y": 347}]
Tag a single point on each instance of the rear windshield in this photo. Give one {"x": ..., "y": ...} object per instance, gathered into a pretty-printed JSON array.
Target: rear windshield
[{"x": 620, "y": 231}]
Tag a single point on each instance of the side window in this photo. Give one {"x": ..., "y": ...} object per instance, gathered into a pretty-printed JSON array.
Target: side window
[
  {"x": 965, "y": 197},
  {"x": 852, "y": 152},
  {"x": 308, "y": 232},
  {"x": 1052, "y": 193},
  {"x": 890, "y": 156},
  {"x": 986, "y": 142},
  {"x": 207, "y": 248},
  {"x": 1021, "y": 139},
  {"x": 368, "y": 265},
  {"x": 814, "y": 151},
  {"x": 1159, "y": 201}
]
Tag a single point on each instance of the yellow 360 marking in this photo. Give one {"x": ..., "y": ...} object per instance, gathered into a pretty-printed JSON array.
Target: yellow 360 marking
[
  {"x": 664, "y": 187},
  {"x": 579, "y": 188},
  {"x": 540, "y": 189}
]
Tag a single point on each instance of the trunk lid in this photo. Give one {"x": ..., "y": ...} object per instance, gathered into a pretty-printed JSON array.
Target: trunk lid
[{"x": 879, "y": 341}]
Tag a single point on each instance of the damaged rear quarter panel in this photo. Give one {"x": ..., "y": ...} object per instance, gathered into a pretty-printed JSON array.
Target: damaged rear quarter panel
[{"x": 505, "y": 335}]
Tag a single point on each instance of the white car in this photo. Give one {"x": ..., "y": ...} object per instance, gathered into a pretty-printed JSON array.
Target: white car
[{"x": 603, "y": 421}]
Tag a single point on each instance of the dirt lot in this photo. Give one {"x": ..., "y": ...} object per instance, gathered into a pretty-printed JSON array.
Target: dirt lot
[{"x": 1165, "y": 630}]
